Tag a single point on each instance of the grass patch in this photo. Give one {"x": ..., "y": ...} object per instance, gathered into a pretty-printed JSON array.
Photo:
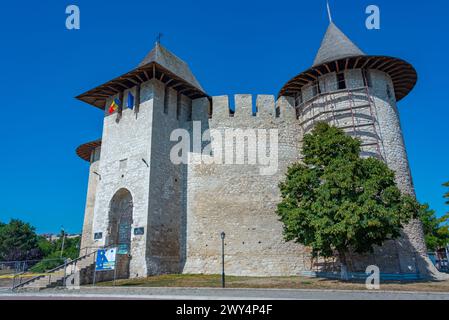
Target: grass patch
[{"x": 292, "y": 282}]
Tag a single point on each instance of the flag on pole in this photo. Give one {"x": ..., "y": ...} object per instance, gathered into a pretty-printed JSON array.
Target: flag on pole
[
  {"x": 130, "y": 103},
  {"x": 114, "y": 106}
]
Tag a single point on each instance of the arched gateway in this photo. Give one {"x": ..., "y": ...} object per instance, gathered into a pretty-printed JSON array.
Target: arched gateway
[{"x": 119, "y": 228}]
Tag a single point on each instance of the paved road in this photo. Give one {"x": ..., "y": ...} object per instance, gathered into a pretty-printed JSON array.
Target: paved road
[{"x": 132, "y": 293}]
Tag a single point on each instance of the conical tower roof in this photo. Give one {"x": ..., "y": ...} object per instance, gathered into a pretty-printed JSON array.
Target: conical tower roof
[
  {"x": 160, "y": 64},
  {"x": 338, "y": 53},
  {"x": 335, "y": 45},
  {"x": 171, "y": 62}
]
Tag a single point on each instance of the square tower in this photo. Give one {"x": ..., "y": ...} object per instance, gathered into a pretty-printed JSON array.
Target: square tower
[{"x": 138, "y": 203}]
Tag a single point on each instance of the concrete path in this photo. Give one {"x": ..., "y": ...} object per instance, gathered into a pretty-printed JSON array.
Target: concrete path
[{"x": 133, "y": 293}]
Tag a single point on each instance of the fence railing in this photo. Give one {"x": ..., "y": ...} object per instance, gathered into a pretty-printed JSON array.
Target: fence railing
[{"x": 60, "y": 273}]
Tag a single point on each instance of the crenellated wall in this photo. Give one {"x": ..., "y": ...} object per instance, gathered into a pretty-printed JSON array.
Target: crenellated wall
[
  {"x": 184, "y": 207},
  {"x": 238, "y": 199}
]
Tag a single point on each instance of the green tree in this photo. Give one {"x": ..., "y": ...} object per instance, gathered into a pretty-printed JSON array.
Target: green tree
[
  {"x": 446, "y": 195},
  {"x": 18, "y": 241},
  {"x": 336, "y": 201},
  {"x": 52, "y": 253},
  {"x": 436, "y": 230}
]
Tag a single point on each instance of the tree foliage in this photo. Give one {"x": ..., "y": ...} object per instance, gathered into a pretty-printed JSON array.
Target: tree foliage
[
  {"x": 446, "y": 195},
  {"x": 52, "y": 252},
  {"x": 18, "y": 241},
  {"x": 436, "y": 230},
  {"x": 336, "y": 201}
]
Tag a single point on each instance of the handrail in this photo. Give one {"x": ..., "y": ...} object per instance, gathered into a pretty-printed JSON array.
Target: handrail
[{"x": 64, "y": 265}]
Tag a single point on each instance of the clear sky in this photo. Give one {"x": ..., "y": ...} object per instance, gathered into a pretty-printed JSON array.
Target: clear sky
[{"x": 231, "y": 46}]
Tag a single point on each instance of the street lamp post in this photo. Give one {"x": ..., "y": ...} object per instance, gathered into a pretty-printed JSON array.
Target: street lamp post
[
  {"x": 63, "y": 239},
  {"x": 222, "y": 259}
]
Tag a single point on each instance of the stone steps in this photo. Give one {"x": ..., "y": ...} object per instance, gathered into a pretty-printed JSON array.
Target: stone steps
[{"x": 56, "y": 277}]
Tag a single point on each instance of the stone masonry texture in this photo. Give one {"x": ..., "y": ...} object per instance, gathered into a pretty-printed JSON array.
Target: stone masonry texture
[{"x": 184, "y": 207}]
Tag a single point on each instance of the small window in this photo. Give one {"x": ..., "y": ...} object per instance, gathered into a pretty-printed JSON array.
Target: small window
[
  {"x": 166, "y": 100},
  {"x": 178, "y": 106},
  {"x": 366, "y": 78},
  {"x": 298, "y": 99},
  {"x": 389, "y": 94},
  {"x": 316, "y": 89},
  {"x": 123, "y": 164},
  {"x": 98, "y": 235},
  {"x": 341, "y": 82}
]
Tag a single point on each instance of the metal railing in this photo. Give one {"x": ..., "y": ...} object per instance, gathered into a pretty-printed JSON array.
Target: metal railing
[{"x": 67, "y": 264}]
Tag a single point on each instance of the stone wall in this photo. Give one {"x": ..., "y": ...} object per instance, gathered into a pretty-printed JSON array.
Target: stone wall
[
  {"x": 165, "y": 249},
  {"x": 87, "y": 237},
  {"x": 238, "y": 199},
  {"x": 126, "y": 141},
  {"x": 183, "y": 207}
]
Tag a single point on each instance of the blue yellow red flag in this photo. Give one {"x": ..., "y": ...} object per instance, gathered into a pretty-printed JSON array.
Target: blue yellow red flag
[{"x": 114, "y": 105}]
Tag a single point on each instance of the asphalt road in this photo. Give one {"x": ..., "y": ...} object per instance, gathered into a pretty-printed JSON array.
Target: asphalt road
[{"x": 123, "y": 293}]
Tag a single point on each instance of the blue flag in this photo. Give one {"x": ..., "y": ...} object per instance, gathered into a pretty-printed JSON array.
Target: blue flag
[{"x": 130, "y": 103}]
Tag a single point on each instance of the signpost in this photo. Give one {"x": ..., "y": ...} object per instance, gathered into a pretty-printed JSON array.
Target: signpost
[{"x": 105, "y": 261}]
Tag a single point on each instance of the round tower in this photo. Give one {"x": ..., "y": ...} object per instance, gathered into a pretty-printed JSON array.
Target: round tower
[
  {"x": 358, "y": 93},
  {"x": 90, "y": 152}
]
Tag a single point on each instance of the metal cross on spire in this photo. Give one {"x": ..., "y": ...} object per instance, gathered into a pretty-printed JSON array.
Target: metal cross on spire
[{"x": 329, "y": 11}]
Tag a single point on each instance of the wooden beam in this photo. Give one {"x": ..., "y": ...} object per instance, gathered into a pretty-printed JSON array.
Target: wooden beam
[
  {"x": 113, "y": 89},
  {"x": 393, "y": 65},
  {"x": 384, "y": 64},
  {"x": 398, "y": 68},
  {"x": 133, "y": 81},
  {"x": 140, "y": 79},
  {"x": 356, "y": 63},
  {"x": 317, "y": 70},
  {"x": 299, "y": 78},
  {"x": 295, "y": 87},
  {"x": 177, "y": 85},
  {"x": 310, "y": 75},
  {"x": 185, "y": 90},
  {"x": 305, "y": 79},
  {"x": 101, "y": 95},
  {"x": 104, "y": 91},
  {"x": 366, "y": 62},
  {"x": 375, "y": 63},
  {"x": 122, "y": 85}
]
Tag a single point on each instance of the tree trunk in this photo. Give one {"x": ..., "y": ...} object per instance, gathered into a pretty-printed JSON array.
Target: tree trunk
[{"x": 343, "y": 266}]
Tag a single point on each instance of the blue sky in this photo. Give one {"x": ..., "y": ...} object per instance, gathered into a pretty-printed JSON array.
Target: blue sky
[{"x": 231, "y": 46}]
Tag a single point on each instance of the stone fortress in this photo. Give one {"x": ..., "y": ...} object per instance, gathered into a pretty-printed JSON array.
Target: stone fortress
[{"x": 167, "y": 218}]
